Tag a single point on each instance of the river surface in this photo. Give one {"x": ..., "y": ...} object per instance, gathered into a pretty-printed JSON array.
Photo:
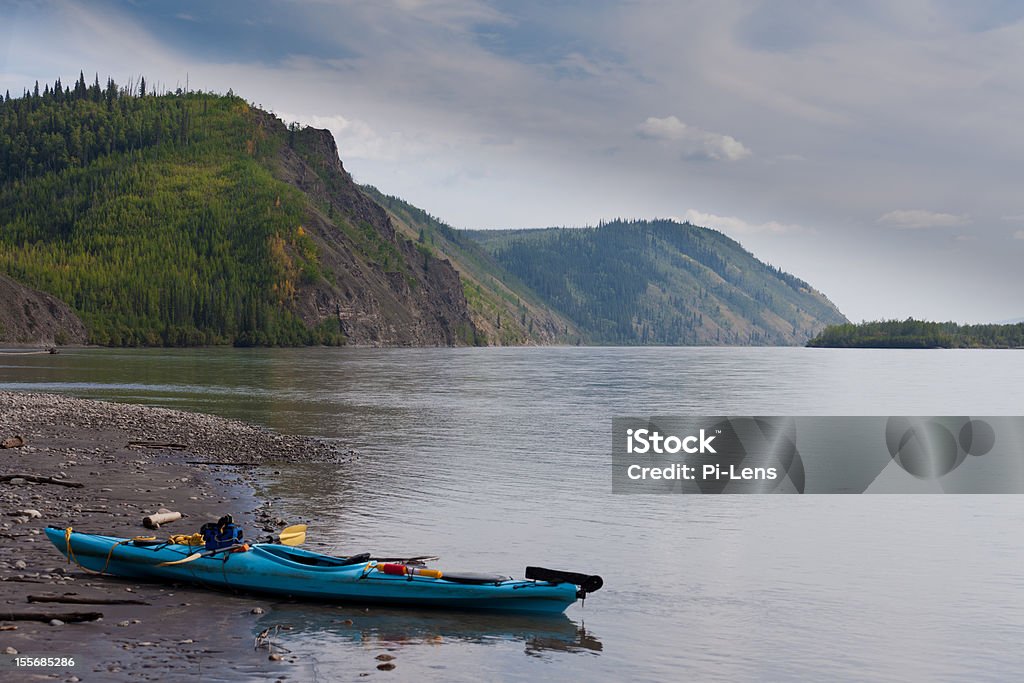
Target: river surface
[{"x": 498, "y": 458}]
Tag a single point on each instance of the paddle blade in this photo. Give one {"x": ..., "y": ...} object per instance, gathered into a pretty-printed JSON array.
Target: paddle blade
[
  {"x": 193, "y": 556},
  {"x": 293, "y": 535}
]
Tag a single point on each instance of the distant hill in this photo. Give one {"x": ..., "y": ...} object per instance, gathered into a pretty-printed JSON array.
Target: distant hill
[
  {"x": 660, "y": 282},
  {"x": 503, "y": 309},
  {"x": 194, "y": 218},
  {"x": 920, "y": 334}
]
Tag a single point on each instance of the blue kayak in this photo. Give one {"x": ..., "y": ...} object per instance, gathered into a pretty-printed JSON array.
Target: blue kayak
[{"x": 292, "y": 572}]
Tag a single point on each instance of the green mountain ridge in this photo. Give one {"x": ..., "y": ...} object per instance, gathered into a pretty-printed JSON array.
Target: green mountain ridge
[
  {"x": 638, "y": 282},
  {"x": 503, "y": 308},
  {"x": 193, "y": 218},
  {"x": 661, "y": 282}
]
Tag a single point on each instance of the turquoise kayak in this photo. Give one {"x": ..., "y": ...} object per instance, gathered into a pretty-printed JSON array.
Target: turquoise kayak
[{"x": 288, "y": 571}]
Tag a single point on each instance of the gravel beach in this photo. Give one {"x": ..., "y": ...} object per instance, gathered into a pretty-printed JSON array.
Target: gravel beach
[{"x": 132, "y": 461}]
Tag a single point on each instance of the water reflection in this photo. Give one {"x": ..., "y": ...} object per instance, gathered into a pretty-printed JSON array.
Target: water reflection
[{"x": 298, "y": 628}]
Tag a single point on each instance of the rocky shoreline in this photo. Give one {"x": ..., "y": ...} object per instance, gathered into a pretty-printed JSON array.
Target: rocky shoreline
[{"x": 131, "y": 461}]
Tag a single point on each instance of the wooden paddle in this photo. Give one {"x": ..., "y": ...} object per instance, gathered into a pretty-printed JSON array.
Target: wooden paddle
[{"x": 292, "y": 535}]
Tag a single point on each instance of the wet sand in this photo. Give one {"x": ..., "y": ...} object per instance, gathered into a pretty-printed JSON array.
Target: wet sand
[{"x": 184, "y": 633}]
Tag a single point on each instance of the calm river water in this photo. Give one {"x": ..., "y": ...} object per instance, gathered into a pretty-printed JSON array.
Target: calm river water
[{"x": 499, "y": 458}]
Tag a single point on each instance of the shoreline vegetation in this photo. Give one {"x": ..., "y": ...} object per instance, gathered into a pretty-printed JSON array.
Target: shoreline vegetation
[
  {"x": 102, "y": 467},
  {"x": 919, "y": 334}
]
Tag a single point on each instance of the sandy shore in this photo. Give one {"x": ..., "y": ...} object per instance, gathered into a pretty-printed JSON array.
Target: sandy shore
[{"x": 183, "y": 633}]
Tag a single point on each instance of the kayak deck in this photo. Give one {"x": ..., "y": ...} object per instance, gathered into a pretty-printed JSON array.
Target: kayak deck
[{"x": 292, "y": 572}]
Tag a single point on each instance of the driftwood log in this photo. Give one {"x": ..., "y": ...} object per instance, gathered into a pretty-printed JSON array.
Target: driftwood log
[
  {"x": 157, "y": 444},
  {"x": 78, "y": 600},
  {"x": 154, "y": 521},
  {"x": 66, "y": 617},
  {"x": 40, "y": 480}
]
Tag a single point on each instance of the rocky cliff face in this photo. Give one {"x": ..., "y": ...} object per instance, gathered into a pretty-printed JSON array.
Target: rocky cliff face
[
  {"x": 28, "y": 316},
  {"x": 378, "y": 285}
]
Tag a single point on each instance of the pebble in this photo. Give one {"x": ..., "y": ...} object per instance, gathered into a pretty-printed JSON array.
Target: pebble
[
  {"x": 10, "y": 651},
  {"x": 16, "y": 481},
  {"x": 56, "y": 622},
  {"x": 20, "y": 564},
  {"x": 384, "y": 658},
  {"x": 257, "y": 610},
  {"x": 386, "y": 666},
  {"x": 32, "y": 514},
  {"x": 124, "y": 623},
  {"x": 274, "y": 657}
]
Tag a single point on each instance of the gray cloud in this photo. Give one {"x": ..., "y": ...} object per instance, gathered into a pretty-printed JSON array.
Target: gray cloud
[
  {"x": 735, "y": 226},
  {"x": 920, "y": 218},
  {"x": 696, "y": 143}
]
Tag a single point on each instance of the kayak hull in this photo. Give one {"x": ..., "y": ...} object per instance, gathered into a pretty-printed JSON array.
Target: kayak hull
[{"x": 292, "y": 572}]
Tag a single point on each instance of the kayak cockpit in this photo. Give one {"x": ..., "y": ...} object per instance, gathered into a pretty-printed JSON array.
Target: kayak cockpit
[{"x": 303, "y": 557}]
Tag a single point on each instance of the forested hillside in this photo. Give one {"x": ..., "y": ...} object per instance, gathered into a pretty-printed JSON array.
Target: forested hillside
[
  {"x": 661, "y": 282},
  {"x": 502, "y": 307},
  {"x": 920, "y": 334},
  {"x": 192, "y": 218}
]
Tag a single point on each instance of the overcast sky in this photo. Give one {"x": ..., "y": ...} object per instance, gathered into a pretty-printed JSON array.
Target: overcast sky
[{"x": 872, "y": 148}]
